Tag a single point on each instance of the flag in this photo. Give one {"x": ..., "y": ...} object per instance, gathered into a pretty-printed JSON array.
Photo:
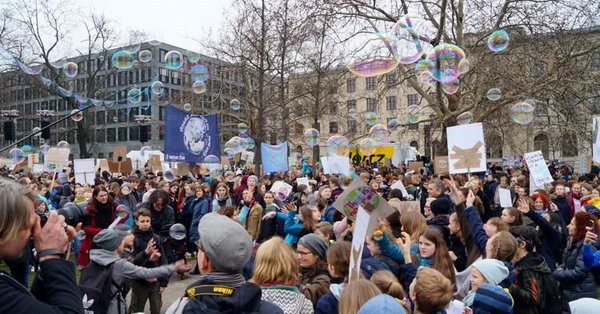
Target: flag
[
  {"x": 190, "y": 137},
  {"x": 274, "y": 157}
]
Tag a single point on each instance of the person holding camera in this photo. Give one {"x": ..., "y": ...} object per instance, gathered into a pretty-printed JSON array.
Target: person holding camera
[{"x": 54, "y": 289}]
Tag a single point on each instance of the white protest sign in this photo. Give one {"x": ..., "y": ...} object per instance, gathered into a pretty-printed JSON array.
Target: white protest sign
[
  {"x": 85, "y": 170},
  {"x": 336, "y": 164},
  {"x": 361, "y": 226},
  {"x": 58, "y": 156},
  {"x": 505, "y": 198},
  {"x": 281, "y": 189},
  {"x": 466, "y": 148},
  {"x": 538, "y": 168},
  {"x": 400, "y": 186},
  {"x": 596, "y": 140}
]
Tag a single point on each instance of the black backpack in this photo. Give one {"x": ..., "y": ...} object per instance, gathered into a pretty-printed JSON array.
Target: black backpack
[
  {"x": 96, "y": 287},
  {"x": 551, "y": 296}
]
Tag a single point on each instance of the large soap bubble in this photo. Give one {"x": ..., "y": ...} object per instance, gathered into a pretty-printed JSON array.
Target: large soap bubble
[{"x": 338, "y": 145}]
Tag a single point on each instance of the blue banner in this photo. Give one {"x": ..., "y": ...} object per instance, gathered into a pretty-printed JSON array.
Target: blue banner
[
  {"x": 274, "y": 157},
  {"x": 190, "y": 137}
]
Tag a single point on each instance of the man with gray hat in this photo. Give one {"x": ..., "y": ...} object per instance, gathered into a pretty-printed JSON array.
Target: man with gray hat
[{"x": 224, "y": 249}]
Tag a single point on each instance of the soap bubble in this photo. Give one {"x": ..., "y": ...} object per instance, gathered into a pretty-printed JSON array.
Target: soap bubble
[
  {"x": 17, "y": 156},
  {"x": 464, "y": 65},
  {"x": 177, "y": 232},
  {"x": 235, "y": 104},
  {"x": 59, "y": 64},
  {"x": 494, "y": 94},
  {"x": 378, "y": 134},
  {"x": 410, "y": 38},
  {"x": 212, "y": 159},
  {"x": 121, "y": 211},
  {"x": 464, "y": 118},
  {"x": 123, "y": 60},
  {"x": 134, "y": 95},
  {"x": 44, "y": 148},
  {"x": 371, "y": 118},
  {"x": 338, "y": 145},
  {"x": 27, "y": 148},
  {"x": 76, "y": 115},
  {"x": 451, "y": 88},
  {"x": 193, "y": 57},
  {"x": 199, "y": 87},
  {"x": 311, "y": 137},
  {"x": 62, "y": 144},
  {"x": 393, "y": 125},
  {"x": 36, "y": 131},
  {"x": 145, "y": 56},
  {"x": 33, "y": 67},
  {"x": 445, "y": 59},
  {"x": 187, "y": 107},
  {"x": 229, "y": 152},
  {"x": 70, "y": 69},
  {"x": 199, "y": 73},
  {"x": 498, "y": 40},
  {"x": 173, "y": 60},
  {"x": 413, "y": 114},
  {"x": 157, "y": 88},
  {"x": 242, "y": 127},
  {"x": 522, "y": 113},
  {"x": 367, "y": 146},
  {"x": 115, "y": 119},
  {"x": 373, "y": 67},
  {"x": 80, "y": 235},
  {"x": 144, "y": 151}
]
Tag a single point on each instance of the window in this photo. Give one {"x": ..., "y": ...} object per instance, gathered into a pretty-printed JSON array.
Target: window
[
  {"x": 351, "y": 126},
  {"x": 161, "y": 132},
  {"x": 371, "y": 83},
  {"x": 413, "y": 126},
  {"x": 111, "y": 135},
  {"x": 540, "y": 142},
  {"x": 351, "y": 104},
  {"x": 351, "y": 85},
  {"x": 161, "y": 113},
  {"x": 122, "y": 134},
  {"x": 371, "y": 104},
  {"x": 333, "y": 127},
  {"x": 100, "y": 117},
  {"x": 390, "y": 79},
  {"x": 390, "y": 103},
  {"x": 413, "y": 99},
  {"x": 134, "y": 133},
  {"x": 100, "y": 135},
  {"x": 333, "y": 109}
]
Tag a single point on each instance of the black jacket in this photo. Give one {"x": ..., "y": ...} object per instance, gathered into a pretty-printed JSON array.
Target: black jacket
[
  {"x": 57, "y": 293},
  {"x": 245, "y": 299},
  {"x": 575, "y": 279}
]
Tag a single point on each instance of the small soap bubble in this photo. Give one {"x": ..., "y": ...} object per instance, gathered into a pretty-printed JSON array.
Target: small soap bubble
[
  {"x": 70, "y": 69},
  {"x": 145, "y": 56},
  {"x": 464, "y": 118},
  {"x": 157, "y": 88},
  {"x": 187, "y": 107},
  {"x": 235, "y": 104},
  {"x": 311, "y": 137},
  {"x": 76, "y": 115},
  {"x": 177, "y": 232},
  {"x": 199, "y": 87},
  {"x": 498, "y": 40},
  {"x": 212, "y": 159},
  {"x": 173, "y": 60},
  {"x": 494, "y": 94}
]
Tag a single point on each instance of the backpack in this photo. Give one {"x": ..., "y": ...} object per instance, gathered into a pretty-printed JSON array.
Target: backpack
[
  {"x": 95, "y": 285},
  {"x": 551, "y": 296}
]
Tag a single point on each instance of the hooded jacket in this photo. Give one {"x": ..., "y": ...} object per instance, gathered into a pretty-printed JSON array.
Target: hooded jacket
[
  {"x": 246, "y": 298},
  {"x": 123, "y": 270},
  {"x": 575, "y": 279},
  {"x": 315, "y": 281},
  {"x": 330, "y": 302},
  {"x": 527, "y": 290}
]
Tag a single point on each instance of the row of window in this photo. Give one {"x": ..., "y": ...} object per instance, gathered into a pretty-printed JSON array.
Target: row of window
[{"x": 370, "y": 82}]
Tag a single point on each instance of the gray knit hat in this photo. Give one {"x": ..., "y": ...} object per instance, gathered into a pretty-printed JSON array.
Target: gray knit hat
[
  {"x": 315, "y": 244},
  {"x": 108, "y": 239},
  {"x": 226, "y": 243}
]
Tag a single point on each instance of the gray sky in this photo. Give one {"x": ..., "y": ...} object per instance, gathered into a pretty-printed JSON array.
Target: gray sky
[{"x": 176, "y": 22}]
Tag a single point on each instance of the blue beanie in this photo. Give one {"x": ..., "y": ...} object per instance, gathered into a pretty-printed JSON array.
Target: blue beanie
[
  {"x": 492, "y": 299},
  {"x": 382, "y": 303}
]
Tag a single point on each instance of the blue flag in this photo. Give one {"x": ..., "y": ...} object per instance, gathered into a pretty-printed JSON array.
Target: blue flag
[
  {"x": 274, "y": 157},
  {"x": 190, "y": 137}
]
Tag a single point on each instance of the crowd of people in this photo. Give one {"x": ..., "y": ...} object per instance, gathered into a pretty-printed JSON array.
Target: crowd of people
[{"x": 258, "y": 251}]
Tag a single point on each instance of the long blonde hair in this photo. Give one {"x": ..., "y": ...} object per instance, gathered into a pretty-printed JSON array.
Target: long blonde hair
[
  {"x": 275, "y": 262},
  {"x": 414, "y": 224},
  {"x": 357, "y": 293}
]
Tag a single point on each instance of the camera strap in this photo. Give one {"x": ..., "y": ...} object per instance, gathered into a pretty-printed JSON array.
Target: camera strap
[{"x": 216, "y": 290}]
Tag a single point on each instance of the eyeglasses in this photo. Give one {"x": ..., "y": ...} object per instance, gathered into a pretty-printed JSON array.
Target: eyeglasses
[{"x": 304, "y": 253}]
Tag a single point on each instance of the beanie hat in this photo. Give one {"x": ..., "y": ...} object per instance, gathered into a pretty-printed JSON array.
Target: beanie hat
[
  {"x": 492, "y": 270},
  {"x": 226, "y": 243},
  {"x": 492, "y": 299},
  {"x": 382, "y": 303},
  {"x": 315, "y": 244},
  {"x": 108, "y": 239},
  {"x": 253, "y": 177},
  {"x": 584, "y": 305},
  {"x": 441, "y": 206},
  {"x": 123, "y": 229}
]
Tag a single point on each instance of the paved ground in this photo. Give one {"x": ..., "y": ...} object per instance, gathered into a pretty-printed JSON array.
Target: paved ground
[{"x": 173, "y": 292}]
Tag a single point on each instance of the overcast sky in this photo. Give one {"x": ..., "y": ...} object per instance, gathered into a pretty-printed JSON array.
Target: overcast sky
[{"x": 177, "y": 22}]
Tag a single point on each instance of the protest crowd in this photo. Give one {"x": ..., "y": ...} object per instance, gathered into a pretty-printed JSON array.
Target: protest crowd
[{"x": 280, "y": 242}]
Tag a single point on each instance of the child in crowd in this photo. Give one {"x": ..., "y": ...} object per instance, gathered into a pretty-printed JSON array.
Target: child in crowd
[
  {"x": 490, "y": 271},
  {"x": 338, "y": 261}
]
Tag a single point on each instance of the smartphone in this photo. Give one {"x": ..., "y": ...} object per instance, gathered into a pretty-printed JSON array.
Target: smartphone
[{"x": 591, "y": 224}]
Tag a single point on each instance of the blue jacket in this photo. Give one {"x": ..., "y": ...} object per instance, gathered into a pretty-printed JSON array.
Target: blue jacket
[
  {"x": 329, "y": 303},
  {"x": 476, "y": 226},
  {"x": 575, "y": 280},
  {"x": 292, "y": 227},
  {"x": 200, "y": 208}
]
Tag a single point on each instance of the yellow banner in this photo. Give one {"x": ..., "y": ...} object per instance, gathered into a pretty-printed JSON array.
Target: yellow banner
[{"x": 381, "y": 153}]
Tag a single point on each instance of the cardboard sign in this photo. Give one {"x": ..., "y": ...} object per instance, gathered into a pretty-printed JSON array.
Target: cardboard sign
[
  {"x": 505, "y": 198},
  {"x": 281, "y": 189},
  {"x": 155, "y": 163},
  {"x": 85, "y": 170},
  {"x": 124, "y": 167},
  {"x": 538, "y": 168},
  {"x": 33, "y": 159},
  {"x": 102, "y": 164},
  {"x": 58, "y": 156},
  {"x": 583, "y": 164},
  {"x": 119, "y": 153},
  {"x": 440, "y": 164},
  {"x": 361, "y": 229},
  {"x": 182, "y": 169},
  {"x": 466, "y": 148},
  {"x": 415, "y": 165},
  {"x": 22, "y": 167},
  {"x": 408, "y": 206}
]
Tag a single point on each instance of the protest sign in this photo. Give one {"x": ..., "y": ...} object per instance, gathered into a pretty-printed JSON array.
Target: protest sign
[{"x": 466, "y": 148}]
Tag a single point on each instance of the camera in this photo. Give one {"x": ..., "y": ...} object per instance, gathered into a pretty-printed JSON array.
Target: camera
[{"x": 73, "y": 213}]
